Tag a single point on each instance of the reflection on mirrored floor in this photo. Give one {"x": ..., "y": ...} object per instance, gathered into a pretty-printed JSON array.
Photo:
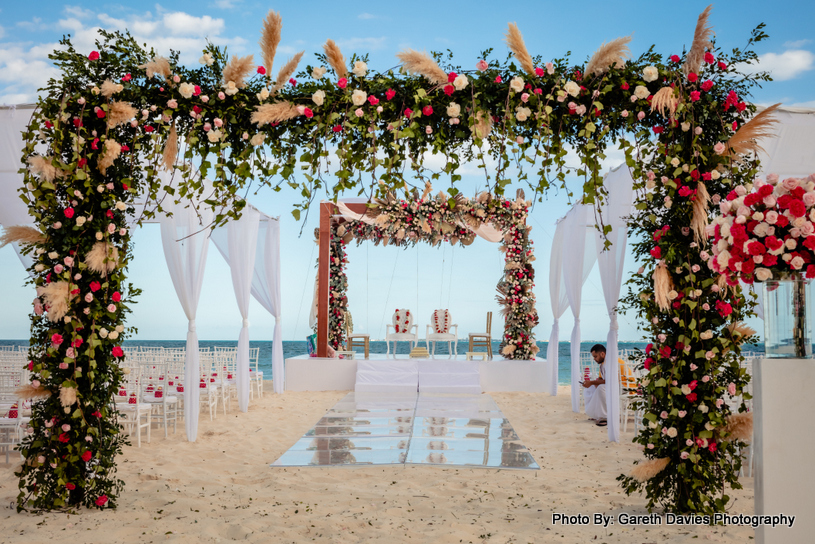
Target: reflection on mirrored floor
[{"x": 411, "y": 428}]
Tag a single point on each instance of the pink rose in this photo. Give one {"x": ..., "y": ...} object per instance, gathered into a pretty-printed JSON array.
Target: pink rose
[
  {"x": 550, "y": 68},
  {"x": 358, "y": 112},
  {"x": 58, "y": 269},
  {"x": 731, "y": 388},
  {"x": 641, "y": 115},
  {"x": 525, "y": 97},
  {"x": 342, "y": 83},
  {"x": 719, "y": 148},
  {"x": 66, "y": 428},
  {"x": 683, "y": 455},
  {"x": 63, "y": 366},
  {"x": 207, "y": 127},
  {"x": 205, "y": 99},
  {"x": 221, "y": 96},
  {"x": 705, "y": 378},
  {"x": 56, "y": 339},
  {"x": 89, "y": 298},
  {"x": 69, "y": 261},
  {"x": 70, "y": 353},
  {"x": 218, "y": 122},
  {"x": 482, "y": 65},
  {"x": 112, "y": 308},
  {"x": 789, "y": 184},
  {"x": 624, "y": 113},
  {"x": 172, "y": 103}
]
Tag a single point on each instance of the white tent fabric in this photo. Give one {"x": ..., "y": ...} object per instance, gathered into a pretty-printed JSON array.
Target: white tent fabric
[
  {"x": 790, "y": 153},
  {"x": 577, "y": 263},
  {"x": 185, "y": 238},
  {"x": 237, "y": 242},
  {"x": 557, "y": 295},
  {"x": 614, "y": 211},
  {"x": 266, "y": 290},
  {"x": 13, "y": 211}
]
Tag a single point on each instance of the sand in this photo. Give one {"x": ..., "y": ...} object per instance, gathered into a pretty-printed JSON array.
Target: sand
[{"x": 221, "y": 488}]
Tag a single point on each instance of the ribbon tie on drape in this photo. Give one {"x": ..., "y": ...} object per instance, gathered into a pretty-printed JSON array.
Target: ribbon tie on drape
[
  {"x": 246, "y": 323},
  {"x": 191, "y": 326}
]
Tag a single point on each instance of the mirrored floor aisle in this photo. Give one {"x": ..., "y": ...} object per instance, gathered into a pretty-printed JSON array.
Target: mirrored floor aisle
[{"x": 411, "y": 428}]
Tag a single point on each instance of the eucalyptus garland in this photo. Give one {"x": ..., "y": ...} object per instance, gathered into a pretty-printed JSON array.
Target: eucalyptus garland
[{"x": 101, "y": 133}]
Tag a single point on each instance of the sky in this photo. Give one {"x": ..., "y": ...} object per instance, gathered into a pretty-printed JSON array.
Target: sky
[{"x": 422, "y": 278}]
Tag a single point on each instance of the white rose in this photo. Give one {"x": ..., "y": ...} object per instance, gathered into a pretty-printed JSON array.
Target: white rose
[
  {"x": 318, "y": 72},
  {"x": 763, "y": 274},
  {"x": 318, "y": 97},
  {"x": 120, "y": 328},
  {"x": 671, "y": 432},
  {"x": 39, "y": 267},
  {"x": 707, "y": 335},
  {"x": 674, "y": 162},
  {"x": 360, "y": 69},
  {"x": 121, "y": 206},
  {"x": 103, "y": 332},
  {"x": 522, "y": 114},
  {"x": 672, "y": 294},
  {"x": 80, "y": 221},
  {"x": 516, "y": 84},
  {"x": 703, "y": 408},
  {"x": 460, "y": 82},
  {"x": 453, "y": 110},
  {"x": 263, "y": 94},
  {"x": 230, "y": 88},
  {"x": 686, "y": 389},
  {"x": 113, "y": 335},
  {"x": 207, "y": 59},
  {"x": 797, "y": 262},
  {"x": 214, "y": 135},
  {"x": 685, "y": 127},
  {"x": 572, "y": 88},
  {"x": 258, "y": 139},
  {"x": 650, "y": 73},
  {"x": 99, "y": 236},
  {"x": 358, "y": 97},
  {"x": 186, "y": 90},
  {"x": 641, "y": 92}
]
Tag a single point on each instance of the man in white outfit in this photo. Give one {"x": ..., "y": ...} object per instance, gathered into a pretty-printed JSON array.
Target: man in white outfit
[{"x": 595, "y": 393}]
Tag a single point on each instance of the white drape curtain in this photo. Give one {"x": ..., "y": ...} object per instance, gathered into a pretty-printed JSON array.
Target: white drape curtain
[
  {"x": 610, "y": 262},
  {"x": 185, "y": 238},
  {"x": 239, "y": 251},
  {"x": 266, "y": 290},
  {"x": 557, "y": 295},
  {"x": 578, "y": 261}
]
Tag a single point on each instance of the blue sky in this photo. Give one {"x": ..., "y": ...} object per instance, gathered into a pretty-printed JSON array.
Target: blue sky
[{"x": 381, "y": 279}]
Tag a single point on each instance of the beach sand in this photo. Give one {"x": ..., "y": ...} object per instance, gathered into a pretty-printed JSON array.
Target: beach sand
[{"x": 221, "y": 488}]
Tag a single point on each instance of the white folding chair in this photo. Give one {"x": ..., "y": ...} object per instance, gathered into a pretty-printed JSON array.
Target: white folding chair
[
  {"x": 130, "y": 406},
  {"x": 157, "y": 394}
]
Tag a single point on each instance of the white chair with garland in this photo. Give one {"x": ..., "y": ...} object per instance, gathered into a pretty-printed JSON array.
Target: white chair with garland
[
  {"x": 402, "y": 327},
  {"x": 439, "y": 331}
]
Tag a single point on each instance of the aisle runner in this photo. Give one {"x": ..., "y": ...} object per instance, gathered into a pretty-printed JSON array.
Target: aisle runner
[{"x": 409, "y": 428}]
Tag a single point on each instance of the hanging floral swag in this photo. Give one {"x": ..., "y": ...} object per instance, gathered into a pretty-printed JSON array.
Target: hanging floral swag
[{"x": 437, "y": 220}]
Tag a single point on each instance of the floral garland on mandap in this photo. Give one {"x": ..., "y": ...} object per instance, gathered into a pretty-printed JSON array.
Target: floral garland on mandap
[
  {"x": 101, "y": 133},
  {"x": 437, "y": 220}
]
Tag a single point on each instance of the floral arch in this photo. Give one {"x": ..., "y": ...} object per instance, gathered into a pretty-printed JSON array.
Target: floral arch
[
  {"x": 434, "y": 220},
  {"x": 118, "y": 115}
]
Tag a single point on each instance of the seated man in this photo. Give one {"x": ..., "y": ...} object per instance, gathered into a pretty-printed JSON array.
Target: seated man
[{"x": 595, "y": 393}]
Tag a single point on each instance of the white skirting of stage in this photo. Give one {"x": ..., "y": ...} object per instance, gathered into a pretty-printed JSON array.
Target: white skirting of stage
[{"x": 305, "y": 373}]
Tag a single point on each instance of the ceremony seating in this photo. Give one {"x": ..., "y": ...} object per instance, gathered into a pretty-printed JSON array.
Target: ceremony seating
[
  {"x": 402, "y": 325},
  {"x": 439, "y": 331},
  {"x": 355, "y": 340},
  {"x": 482, "y": 339},
  {"x": 130, "y": 406},
  {"x": 12, "y": 407}
]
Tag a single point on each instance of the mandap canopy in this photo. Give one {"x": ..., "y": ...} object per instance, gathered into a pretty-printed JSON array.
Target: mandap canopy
[{"x": 101, "y": 133}]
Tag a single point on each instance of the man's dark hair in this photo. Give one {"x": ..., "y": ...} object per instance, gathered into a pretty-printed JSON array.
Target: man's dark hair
[{"x": 600, "y": 348}]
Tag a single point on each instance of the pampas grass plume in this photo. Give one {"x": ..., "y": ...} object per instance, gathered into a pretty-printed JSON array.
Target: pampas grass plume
[
  {"x": 483, "y": 125},
  {"x": 67, "y": 396},
  {"x": 701, "y": 43},
  {"x": 287, "y": 71},
  {"x": 22, "y": 235},
  {"x": 611, "y": 54},
  {"x": 237, "y": 69},
  {"x": 274, "y": 113},
  {"x": 102, "y": 258},
  {"x": 698, "y": 220},
  {"x": 120, "y": 113},
  {"x": 663, "y": 283},
  {"x": 55, "y": 296},
  {"x": 335, "y": 58},
  {"x": 170, "y": 149},
  {"x": 419, "y": 62},
  {"x": 648, "y": 469},
  {"x": 157, "y": 66},
  {"x": 738, "y": 427},
  {"x": 270, "y": 39},
  {"x": 28, "y": 391},
  {"x": 109, "y": 88},
  {"x": 42, "y": 167},
  {"x": 515, "y": 42},
  {"x": 745, "y": 140},
  {"x": 664, "y": 99},
  {"x": 112, "y": 151}
]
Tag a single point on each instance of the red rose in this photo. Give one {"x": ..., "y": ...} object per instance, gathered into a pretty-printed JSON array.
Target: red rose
[
  {"x": 712, "y": 447},
  {"x": 772, "y": 242},
  {"x": 675, "y": 58},
  {"x": 752, "y": 199},
  {"x": 94, "y": 55},
  {"x": 69, "y": 212},
  {"x": 691, "y": 397},
  {"x": 539, "y": 71},
  {"x": 70, "y": 486},
  {"x": 389, "y": 94},
  {"x": 765, "y": 190},
  {"x": 770, "y": 260},
  {"x": 692, "y": 77},
  {"x": 658, "y": 130},
  {"x": 148, "y": 129},
  {"x": 102, "y": 500},
  {"x": 665, "y": 352},
  {"x": 337, "y": 128},
  {"x": 695, "y": 96},
  {"x": 196, "y": 91},
  {"x": 685, "y": 190},
  {"x": 63, "y": 438},
  {"x": 647, "y": 363},
  {"x": 262, "y": 70},
  {"x": 117, "y": 351},
  {"x": 408, "y": 112},
  {"x": 308, "y": 112},
  {"x": 100, "y": 113},
  {"x": 427, "y": 110},
  {"x": 782, "y": 221},
  {"x": 451, "y": 77},
  {"x": 293, "y": 82},
  {"x": 95, "y": 286},
  {"x": 125, "y": 148},
  {"x": 709, "y": 58},
  {"x": 756, "y": 248},
  {"x": 656, "y": 252},
  {"x": 747, "y": 267},
  {"x": 797, "y": 208},
  {"x": 723, "y": 308},
  {"x": 87, "y": 456},
  {"x": 731, "y": 196},
  {"x": 342, "y": 83},
  {"x": 722, "y": 66},
  {"x": 117, "y": 296},
  {"x": 498, "y": 79},
  {"x": 707, "y": 85},
  {"x": 372, "y": 100},
  {"x": 648, "y": 348},
  {"x": 784, "y": 201},
  {"x": 624, "y": 86},
  {"x": 449, "y": 90}
]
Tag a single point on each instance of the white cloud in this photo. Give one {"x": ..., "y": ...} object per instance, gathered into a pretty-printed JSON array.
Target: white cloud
[
  {"x": 78, "y": 12},
  {"x": 362, "y": 44},
  {"x": 2, "y": 31},
  {"x": 184, "y": 24},
  {"x": 796, "y": 44},
  {"x": 226, "y": 4},
  {"x": 787, "y": 65},
  {"x": 367, "y": 16},
  {"x": 808, "y": 105}
]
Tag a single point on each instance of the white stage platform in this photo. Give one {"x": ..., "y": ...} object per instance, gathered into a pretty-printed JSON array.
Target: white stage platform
[{"x": 305, "y": 373}]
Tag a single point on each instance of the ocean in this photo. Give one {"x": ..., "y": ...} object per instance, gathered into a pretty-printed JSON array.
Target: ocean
[{"x": 292, "y": 348}]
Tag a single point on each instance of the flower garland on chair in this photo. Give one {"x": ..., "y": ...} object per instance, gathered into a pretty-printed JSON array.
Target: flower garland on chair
[{"x": 444, "y": 326}]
